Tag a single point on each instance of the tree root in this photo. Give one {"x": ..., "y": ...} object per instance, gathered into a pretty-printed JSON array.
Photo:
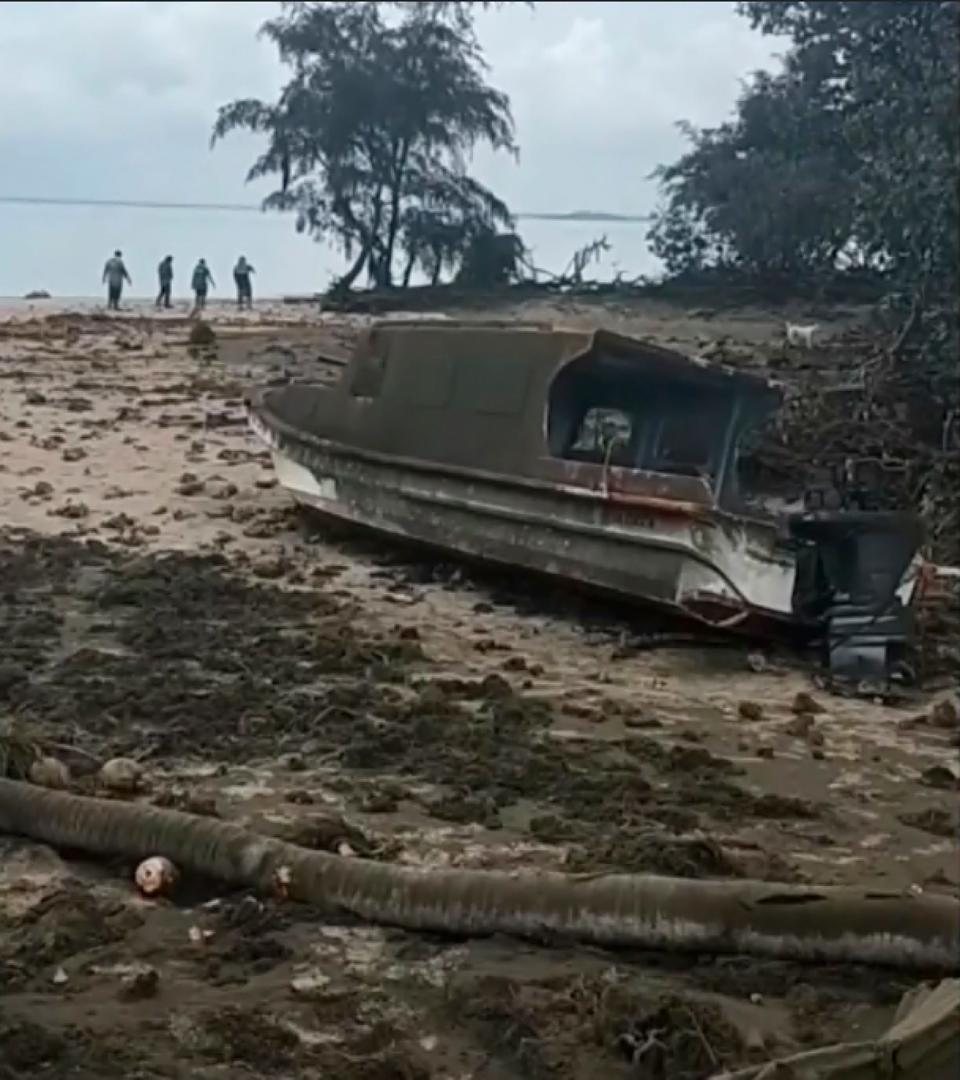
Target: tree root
[{"x": 808, "y": 923}]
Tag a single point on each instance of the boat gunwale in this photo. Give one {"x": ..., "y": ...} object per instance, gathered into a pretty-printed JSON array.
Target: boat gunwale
[{"x": 255, "y": 402}]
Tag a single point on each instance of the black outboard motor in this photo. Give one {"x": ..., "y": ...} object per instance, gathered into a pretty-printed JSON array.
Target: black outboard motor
[{"x": 851, "y": 566}]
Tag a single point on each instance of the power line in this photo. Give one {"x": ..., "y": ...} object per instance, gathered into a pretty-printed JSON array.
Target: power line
[{"x": 144, "y": 204}]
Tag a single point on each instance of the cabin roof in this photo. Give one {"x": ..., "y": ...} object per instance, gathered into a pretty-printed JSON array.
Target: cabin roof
[
  {"x": 571, "y": 343},
  {"x": 670, "y": 362}
]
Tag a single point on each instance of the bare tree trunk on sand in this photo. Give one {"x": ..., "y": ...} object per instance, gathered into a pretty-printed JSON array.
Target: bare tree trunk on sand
[
  {"x": 802, "y": 922},
  {"x": 923, "y": 1044}
]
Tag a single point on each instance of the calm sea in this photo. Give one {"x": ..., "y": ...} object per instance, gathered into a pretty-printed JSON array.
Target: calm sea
[{"x": 63, "y": 249}]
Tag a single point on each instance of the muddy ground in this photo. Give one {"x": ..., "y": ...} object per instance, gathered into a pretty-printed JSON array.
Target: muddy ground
[{"x": 160, "y": 599}]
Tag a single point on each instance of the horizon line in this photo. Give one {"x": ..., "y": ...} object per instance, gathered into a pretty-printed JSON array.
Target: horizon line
[{"x": 151, "y": 204}]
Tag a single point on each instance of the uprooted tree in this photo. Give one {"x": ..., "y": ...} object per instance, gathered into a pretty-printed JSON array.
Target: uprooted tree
[
  {"x": 846, "y": 164},
  {"x": 370, "y": 137}
]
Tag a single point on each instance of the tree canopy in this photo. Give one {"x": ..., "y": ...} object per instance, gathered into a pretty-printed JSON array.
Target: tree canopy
[
  {"x": 370, "y": 138},
  {"x": 847, "y": 161},
  {"x": 847, "y": 158}
]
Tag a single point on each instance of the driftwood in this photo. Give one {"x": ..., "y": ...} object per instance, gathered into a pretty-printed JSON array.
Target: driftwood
[
  {"x": 831, "y": 924},
  {"x": 922, "y": 1044}
]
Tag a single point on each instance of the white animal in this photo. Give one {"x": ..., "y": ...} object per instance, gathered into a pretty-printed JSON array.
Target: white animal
[{"x": 801, "y": 335}]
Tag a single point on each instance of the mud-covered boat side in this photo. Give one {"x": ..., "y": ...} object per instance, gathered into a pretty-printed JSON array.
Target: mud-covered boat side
[
  {"x": 647, "y": 551},
  {"x": 586, "y": 456}
]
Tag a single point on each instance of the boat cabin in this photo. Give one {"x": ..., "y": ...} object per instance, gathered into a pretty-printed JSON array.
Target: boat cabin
[
  {"x": 581, "y": 408},
  {"x": 630, "y": 405}
]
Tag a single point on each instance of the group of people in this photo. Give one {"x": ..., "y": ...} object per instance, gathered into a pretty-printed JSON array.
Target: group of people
[{"x": 115, "y": 275}]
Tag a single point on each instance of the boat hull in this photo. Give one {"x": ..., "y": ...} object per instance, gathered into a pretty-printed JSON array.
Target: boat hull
[{"x": 677, "y": 562}]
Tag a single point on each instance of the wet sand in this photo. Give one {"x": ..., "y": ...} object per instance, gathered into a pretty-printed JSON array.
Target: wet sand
[{"x": 162, "y": 599}]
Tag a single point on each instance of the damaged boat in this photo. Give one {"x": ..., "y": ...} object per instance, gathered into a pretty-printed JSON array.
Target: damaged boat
[{"x": 600, "y": 459}]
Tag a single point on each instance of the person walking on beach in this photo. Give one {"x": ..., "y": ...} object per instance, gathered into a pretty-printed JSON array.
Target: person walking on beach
[
  {"x": 165, "y": 276},
  {"x": 202, "y": 281},
  {"x": 241, "y": 276},
  {"x": 115, "y": 274}
]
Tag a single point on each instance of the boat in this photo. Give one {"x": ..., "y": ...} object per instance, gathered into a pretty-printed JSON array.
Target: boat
[{"x": 603, "y": 460}]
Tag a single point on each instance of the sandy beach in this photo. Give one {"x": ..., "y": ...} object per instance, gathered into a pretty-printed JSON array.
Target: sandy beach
[{"x": 162, "y": 599}]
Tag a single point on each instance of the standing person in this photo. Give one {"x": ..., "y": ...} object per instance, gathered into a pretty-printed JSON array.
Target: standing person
[
  {"x": 202, "y": 280},
  {"x": 241, "y": 275},
  {"x": 165, "y": 276},
  {"x": 115, "y": 274}
]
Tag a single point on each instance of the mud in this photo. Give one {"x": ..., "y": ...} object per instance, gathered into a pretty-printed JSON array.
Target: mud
[
  {"x": 161, "y": 600},
  {"x": 187, "y": 657}
]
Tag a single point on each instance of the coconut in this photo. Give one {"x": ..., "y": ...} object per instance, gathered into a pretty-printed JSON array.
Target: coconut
[
  {"x": 282, "y": 880},
  {"x": 123, "y": 776},
  {"x": 49, "y": 772},
  {"x": 156, "y": 876}
]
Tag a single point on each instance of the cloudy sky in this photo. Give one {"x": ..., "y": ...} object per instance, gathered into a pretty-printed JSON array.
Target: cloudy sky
[{"x": 116, "y": 99}]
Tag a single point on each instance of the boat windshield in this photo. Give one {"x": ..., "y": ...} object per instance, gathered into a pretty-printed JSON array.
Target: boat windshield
[
  {"x": 612, "y": 411},
  {"x": 602, "y": 415}
]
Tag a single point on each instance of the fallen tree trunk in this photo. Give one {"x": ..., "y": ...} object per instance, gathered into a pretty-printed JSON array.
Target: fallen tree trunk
[
  {"x": 829, "y": 924},
  {"x": 923, "y": 1044}
]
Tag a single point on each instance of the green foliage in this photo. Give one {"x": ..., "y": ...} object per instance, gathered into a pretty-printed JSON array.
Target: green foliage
[
  {"x": 491, "y": 259},
  {"x": 893, "y": 72},
  {"x": 452, "y": 214},
  {"x": 458, "y": 12},
  {"x": 763, "y": 193},
  {"x": 847, "y": 158},
  {"x": 370, "y": 137}
]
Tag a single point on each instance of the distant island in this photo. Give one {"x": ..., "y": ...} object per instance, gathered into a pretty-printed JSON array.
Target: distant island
[{"x": 587, "y": 215}]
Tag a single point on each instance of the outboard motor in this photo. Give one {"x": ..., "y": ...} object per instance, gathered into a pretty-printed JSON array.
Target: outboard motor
[{"x": 854, "y": 556}]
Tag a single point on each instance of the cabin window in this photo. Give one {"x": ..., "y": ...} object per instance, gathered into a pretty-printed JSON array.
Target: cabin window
[
  {"x": 665, "y": 418},
  {"x": 591, "y": 404},
  {"x": 686, "y": 445},
  {"x": 658, "y": 424}
]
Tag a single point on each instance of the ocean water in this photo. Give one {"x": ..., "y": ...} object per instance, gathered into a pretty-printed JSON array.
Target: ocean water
[{"x": 62, "y": 249}]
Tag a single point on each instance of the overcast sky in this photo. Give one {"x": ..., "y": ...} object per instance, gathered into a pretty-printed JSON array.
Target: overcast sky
[{"x": 116, "y": 100}]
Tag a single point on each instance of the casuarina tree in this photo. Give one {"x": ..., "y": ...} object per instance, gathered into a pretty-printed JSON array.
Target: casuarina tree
[{"x": 371, "y": 137}]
